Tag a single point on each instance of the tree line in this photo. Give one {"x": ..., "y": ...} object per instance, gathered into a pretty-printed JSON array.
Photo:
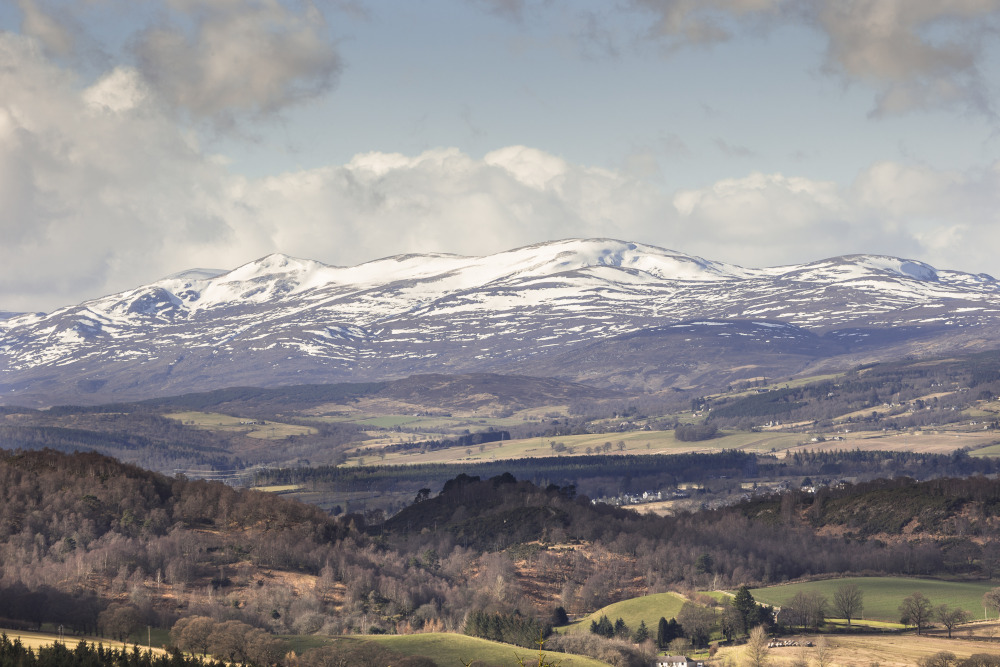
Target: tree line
[{"x": 15, "y": 654}]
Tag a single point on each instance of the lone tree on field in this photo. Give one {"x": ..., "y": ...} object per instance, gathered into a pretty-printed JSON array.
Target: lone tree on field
[
  {"x": 951, "y": 617},
  {"x": 757, "y": 649},
  {"x": 824, "y": 654},
  {"x": 848, "y": 601},
  {"x": 916, "y": 610}
]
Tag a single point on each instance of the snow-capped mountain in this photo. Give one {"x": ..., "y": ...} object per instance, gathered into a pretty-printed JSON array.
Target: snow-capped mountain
[{"x": 541, "y": 308}]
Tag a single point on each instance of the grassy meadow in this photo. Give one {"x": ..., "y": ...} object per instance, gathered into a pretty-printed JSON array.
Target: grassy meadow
[
  {"x": 648, "y": 608},
  {"x": 454, "y": 649},
  {"x": 883, "y": 595}
]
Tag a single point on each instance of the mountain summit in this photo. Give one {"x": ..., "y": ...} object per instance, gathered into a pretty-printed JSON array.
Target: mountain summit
[{"x": 599, "y": 310}]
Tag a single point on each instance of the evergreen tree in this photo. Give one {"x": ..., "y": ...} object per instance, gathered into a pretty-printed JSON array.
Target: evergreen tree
[
  {"x": 603, "y": 627},
  {"x": 745, "y": 604},
  {"x": 641, "y": 633},
  {"x": 668, "y": 631},
  {"x": 559, "y": 616}
]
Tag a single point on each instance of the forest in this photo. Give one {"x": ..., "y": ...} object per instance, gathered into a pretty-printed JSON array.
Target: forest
[{"x": 85, "y": 539}]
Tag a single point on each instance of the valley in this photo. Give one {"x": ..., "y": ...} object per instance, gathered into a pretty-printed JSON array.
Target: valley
[
  {"x": 596, "y": 468},
  {"x": 541, "y": 428}
]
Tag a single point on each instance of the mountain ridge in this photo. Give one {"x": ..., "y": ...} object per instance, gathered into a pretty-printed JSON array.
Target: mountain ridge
[{"x": 285, "y": 320}]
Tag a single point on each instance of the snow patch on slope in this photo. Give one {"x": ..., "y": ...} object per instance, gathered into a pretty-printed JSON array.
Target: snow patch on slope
[{"x": 906, "y": 268}]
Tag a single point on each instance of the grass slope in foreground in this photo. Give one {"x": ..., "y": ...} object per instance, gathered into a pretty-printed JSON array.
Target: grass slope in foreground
[
  {"x": 452, "y": 649},
  {"x": 648, "y": 608},
  {"x": 883, "y": 595}
]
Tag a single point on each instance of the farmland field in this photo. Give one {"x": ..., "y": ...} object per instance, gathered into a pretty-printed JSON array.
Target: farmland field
[
  {"x": 849, "y": 650},
  {"x": 938, "y": 441},
  {"x": 635, "y": 442},
  {"x": 279, "y": 488},
  {"x": 980, "y": 443},
  {"x": 213, "y": 421},
  {"x": 883, "y": 595}
]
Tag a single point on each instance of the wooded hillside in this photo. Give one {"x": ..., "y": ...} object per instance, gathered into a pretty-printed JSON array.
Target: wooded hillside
[{"x": 83, "y": 536}]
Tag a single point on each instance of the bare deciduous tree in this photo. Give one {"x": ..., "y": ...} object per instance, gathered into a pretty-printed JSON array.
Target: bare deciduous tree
[
  {"x": 824, "y": 654},
  {"x": 951, "y": 617},
  {"x": 916, "y": 610},
  {"x": 757, "y": 651},
  {"x": 848, "y": 601}
]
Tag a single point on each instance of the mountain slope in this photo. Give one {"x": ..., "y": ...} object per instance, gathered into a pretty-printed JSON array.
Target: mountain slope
[{"x": 281, "y": 320}]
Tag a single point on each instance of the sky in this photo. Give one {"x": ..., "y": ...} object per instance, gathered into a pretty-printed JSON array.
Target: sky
[{"x": 140, "y": 138}]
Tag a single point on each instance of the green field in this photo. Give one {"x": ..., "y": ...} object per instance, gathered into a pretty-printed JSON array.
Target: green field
[
  {"x": 989, "y": 450},
  {"x": 649, "y": 608},
  {"x": 453, "y": 649},
  {"x": 443, "y": 648},
  {"x": 883, "y": 595}
]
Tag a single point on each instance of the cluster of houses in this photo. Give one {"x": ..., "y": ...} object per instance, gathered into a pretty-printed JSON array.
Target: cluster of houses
[
  {"x": 641, "y": 498},
  {"x": 676, "y": 661}
]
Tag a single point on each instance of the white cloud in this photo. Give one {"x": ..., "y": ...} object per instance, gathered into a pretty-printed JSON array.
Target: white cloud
[
  {"x": 121, "y": 90},
  {"x": 947, "y": 218},
  {"x": 914, "y": 53},
  {"x": 96, "y": 182},
  {"x": 100, "y": 190},
  {"x": 764, "y": 219},
  {"x": 443, "y": 200},
  {"x": 238, "y": 57}
]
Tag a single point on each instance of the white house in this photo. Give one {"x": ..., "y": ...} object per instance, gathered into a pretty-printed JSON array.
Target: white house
[{"x": 676, "y": 661}]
